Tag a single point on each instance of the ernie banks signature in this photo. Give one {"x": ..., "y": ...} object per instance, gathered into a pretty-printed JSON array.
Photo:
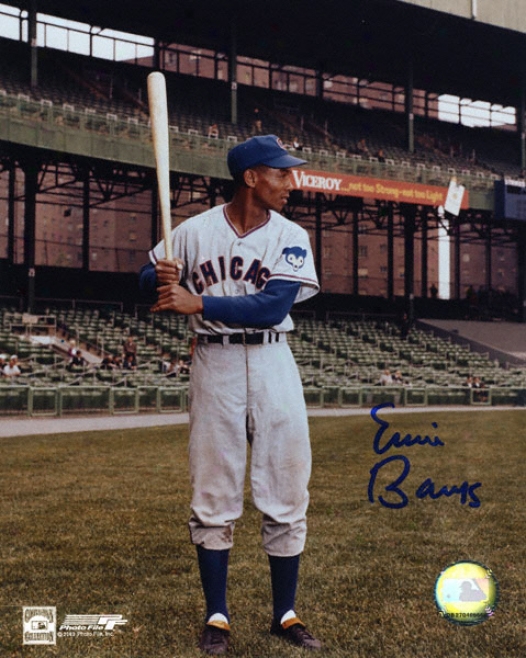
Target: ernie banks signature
[{"x": 383, "y": 441}]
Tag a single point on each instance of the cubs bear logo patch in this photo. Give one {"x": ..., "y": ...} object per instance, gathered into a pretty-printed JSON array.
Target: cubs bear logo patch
[{"x": 295, "y": 257}]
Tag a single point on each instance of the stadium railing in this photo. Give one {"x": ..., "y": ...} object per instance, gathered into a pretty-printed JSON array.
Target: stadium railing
[
  {"x": 68, "y": 129},
  {"x": 16, "y": 401},
  {"x": 63, "y": 401}
]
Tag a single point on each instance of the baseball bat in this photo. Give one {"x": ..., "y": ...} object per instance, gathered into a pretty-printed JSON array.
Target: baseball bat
[{"x": 158, "y": 106}]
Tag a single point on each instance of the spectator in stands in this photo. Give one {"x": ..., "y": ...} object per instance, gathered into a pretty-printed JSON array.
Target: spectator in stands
[
  {"x": 405, "y": 326},
  {"x": 469, "y": 381},
  {"x": 361, "y": 147},
  {"x": 380, "y": 155},
  {"x": 3, "y": 361},
  {"x": 257, "y": 123},
  {"x": 77, "y": 361},
  {"x": 434, "y": 291},
  {"x": 386, "y": 378},
  {"x": 213, "y": 131},
  {"x": 296, "y": 144},
  {"x": 479, "y": 395},
  {"x": 129, "y": 349},
  {"x": 398, "y": 380},
  {"x": 12, "y": 369},
  {"x": 173, "y": 368},
  {"x": 129, "y": 362},
  {"x": 108, "y": 362},
  {"x": 178, "y": 367},
  {"x": 328, "y": 143},
  {"x": 165, "y": 363}
]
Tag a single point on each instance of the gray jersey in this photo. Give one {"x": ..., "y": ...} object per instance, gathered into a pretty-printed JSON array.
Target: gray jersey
[{"x": 220, "y": 262}]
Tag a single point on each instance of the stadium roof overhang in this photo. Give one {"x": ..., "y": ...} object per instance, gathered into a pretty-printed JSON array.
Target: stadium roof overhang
[{"x": 370, "y": 39}]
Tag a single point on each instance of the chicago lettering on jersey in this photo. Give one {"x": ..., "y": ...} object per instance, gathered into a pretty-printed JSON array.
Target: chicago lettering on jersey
[{"x": 210, "y": 273}]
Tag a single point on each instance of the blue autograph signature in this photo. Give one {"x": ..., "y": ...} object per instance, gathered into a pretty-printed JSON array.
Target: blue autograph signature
[{"x": 398, "y": 498}]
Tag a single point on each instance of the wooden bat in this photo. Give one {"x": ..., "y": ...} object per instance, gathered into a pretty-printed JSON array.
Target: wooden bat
[{"x": 159, "y": 119}]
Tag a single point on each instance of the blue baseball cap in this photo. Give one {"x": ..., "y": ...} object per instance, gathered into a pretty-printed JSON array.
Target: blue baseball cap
[{"x": 265, "y": 150}]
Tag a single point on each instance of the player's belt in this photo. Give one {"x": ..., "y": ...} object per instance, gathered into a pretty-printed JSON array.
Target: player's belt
[{"x": 257, "y": 338}]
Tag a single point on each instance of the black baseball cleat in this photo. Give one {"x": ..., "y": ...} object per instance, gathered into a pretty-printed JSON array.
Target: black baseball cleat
[
  {"x": 215, "y": 638},
  {"x": 295, "y": 632}
]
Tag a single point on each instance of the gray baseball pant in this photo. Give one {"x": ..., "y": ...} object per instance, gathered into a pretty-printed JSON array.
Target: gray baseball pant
[{"x": 244, "y": 395}]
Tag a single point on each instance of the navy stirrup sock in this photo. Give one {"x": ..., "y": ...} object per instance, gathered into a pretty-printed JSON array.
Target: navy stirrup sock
[
  {"x": 284, "y": 580},
  {"x": 213, "y": 567}
]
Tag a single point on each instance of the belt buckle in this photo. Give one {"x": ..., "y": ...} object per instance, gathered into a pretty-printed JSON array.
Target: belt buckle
[{"x": 257, "y": 338}]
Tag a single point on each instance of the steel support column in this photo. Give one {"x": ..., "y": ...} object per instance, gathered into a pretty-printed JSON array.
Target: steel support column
[
  {"x": 86, "y": 220},
  {"x": 31, "y": 170},
  {"x": 409, "y": 109},
  {"x": 32, "y": 35},
  {"x": 157, "y": 63},
  {"x": 424, "y": 254},
  {"x": 488, "y": 257},
  {"x": 521, "y": 124},
  {"x": 319, "y": 83},
  {"x": 232, "y": 71},
  {"x": 319, "y": 238},
  {"x": 355, "y": 246},
  {"x": 11, "y": 215},
  {"x": 456, "y": 258},
  {"x": 409, "y": 212},
  {"x": 390, "y": 251}
]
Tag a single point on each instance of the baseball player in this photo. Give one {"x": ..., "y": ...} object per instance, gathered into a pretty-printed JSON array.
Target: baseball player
[{"x": 238, "y": 270}]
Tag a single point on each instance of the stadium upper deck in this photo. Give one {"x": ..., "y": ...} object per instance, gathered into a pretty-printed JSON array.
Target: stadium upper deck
[
  {"x": 406, "y": 47},
  {"x": 400, "y": 44},
  {"x": 109, "y": 98},
  {"x": 376, "y": 38}
]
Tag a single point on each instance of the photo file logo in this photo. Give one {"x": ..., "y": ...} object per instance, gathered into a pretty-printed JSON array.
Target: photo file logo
[{"x": 92, "y": 622}]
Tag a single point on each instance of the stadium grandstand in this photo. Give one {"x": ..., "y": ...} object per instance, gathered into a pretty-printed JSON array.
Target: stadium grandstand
[{"x": 392, "y": 112}]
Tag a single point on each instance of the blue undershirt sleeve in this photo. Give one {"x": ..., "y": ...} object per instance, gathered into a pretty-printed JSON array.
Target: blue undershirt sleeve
[
  {"x": 148, "y": 279},
  {"x": 263, "y": 309}
]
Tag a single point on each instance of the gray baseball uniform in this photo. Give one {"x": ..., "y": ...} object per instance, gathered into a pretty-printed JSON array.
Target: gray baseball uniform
[{"x": 244, "y": 383}]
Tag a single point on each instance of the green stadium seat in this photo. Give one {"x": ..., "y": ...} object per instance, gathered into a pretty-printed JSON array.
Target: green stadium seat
[
  {"x": 84, "y": 399},
  {"x": 313, "y": 397},
  {"x": 147, "y": 398},
  {"x": 43, "y": 401},
  {"x": 14, "y": 400},
  {"x": 350, "y": 397},
  {"x": 124, "y": 400},
  {"x": 172, "y": 399}
]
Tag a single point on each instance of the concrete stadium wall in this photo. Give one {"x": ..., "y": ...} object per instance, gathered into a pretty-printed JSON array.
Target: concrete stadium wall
[{"x": 508, "y": 14}]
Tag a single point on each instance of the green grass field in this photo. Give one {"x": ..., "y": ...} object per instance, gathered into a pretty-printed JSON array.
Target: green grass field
[{"x": 95, "y": 523}]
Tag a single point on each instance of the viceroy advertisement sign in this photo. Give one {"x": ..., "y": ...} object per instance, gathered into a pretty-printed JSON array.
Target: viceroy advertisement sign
[{"x": 375, "y": 188}]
